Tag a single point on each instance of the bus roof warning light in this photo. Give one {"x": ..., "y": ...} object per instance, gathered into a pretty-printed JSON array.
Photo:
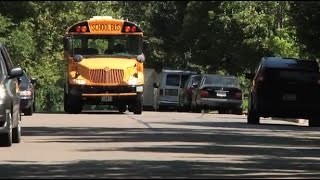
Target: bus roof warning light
[{"x": 101, "y": 17}]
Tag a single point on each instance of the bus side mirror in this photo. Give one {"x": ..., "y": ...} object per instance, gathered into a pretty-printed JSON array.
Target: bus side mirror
[
  {"x": 66, "y": 43},
  {"x": 146, "y": 45},
  {"x": 77, "y": 58}
]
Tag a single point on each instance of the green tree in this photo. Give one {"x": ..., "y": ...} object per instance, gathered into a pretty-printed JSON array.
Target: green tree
[{"x": 306, "y": 17}]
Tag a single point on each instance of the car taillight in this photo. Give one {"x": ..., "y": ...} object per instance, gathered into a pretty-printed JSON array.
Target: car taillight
[
  {"x": 204, "y": 93},
  {"x": 190, "y": 90},
  {"x": 238, "y": 95},
  {"x": 161, "y": 92},
  {"x": 260, "y": 77}
]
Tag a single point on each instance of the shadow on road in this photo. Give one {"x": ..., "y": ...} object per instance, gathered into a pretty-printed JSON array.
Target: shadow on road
[
  {"x": 87, "y": 112},
  {"x": 156, "y": 169},
  {"x": 283, "y": 151}
]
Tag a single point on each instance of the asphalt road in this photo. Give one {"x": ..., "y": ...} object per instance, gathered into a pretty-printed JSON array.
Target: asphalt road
[{"x": 160, "y": 145}]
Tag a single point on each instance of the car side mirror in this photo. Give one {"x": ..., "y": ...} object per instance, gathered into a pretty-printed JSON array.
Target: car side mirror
[
  {"x": 194, "y": 85},
  {"x": 249, "y": 75},
  {"x": 33, "y": 80},
  {"x": 16, "y": 72},
  {"x": 156, "y": 85}
]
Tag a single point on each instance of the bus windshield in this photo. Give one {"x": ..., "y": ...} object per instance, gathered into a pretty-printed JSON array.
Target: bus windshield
[{"x": 106, "y": 45}]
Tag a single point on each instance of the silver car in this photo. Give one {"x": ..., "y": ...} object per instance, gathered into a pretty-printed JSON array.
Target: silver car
[{"x": 10, "y": 128}]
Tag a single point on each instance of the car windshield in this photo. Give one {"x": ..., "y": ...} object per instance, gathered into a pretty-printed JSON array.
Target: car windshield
[
  {"x": 24, "y": 82},
  {"x": 221, "y": 81}
]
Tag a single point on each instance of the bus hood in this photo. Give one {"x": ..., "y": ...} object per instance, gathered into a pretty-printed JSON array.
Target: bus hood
[
  {"x": 109, "y": 71},
  {"x": 112, "y": 63}
]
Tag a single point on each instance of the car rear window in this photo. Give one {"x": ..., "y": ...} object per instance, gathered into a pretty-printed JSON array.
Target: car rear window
[
  {"x": 173, "y": 80},
  {"x": 290, "y": 74},
  {"x": 24, "y": 82},
  {"x": 221, "y": 81},
  {"x": 304, "y": 65}
]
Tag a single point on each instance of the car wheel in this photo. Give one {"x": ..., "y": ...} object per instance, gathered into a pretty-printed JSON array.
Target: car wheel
[
  {"x": 181, "y": 108},
  {"x": 29, "y": 111},
  {"x": 222, "y": 111},
  {"x": 16, "y": 132},
  {"x": 314, "y": 121},
  {"x": 34, "y": 106},
  {"x": 253, "y": 117},
  {"x": 237, "y": 111},
  {"x": 122, "y": 108},
  {"x": 6, "y": 138},
  {"x": 197, "y": 109}
]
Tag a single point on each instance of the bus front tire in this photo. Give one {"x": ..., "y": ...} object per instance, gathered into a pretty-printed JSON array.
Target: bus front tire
[
  {"x": 72, "y": 104},
  {"x": 137, "y": 106}
]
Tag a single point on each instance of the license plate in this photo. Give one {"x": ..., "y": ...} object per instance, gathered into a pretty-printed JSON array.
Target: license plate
[
  {"x": 289, "y": 97},
  {"x": 106, "y": 98},
  {"x": 139, "y": 88},
  {"x": 221, "y": 94}
]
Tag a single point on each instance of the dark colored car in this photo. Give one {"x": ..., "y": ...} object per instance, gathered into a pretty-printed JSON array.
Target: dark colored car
[
  {"x": 285, "y": 88},
  {"x": 185, "y": 96},
  {"x": 10, "y": 119},
  {"x": 27, "y": 94},
  {"x": 218, "y": 92}
]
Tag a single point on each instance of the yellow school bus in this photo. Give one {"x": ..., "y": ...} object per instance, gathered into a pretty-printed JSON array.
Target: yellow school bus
[{"x": 104, "y": 64}]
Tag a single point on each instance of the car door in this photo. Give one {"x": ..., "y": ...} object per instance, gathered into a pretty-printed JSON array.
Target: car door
[{"x": 183, "y": 93}]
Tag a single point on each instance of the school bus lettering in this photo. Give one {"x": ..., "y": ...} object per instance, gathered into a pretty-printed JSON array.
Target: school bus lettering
[{"x": 105, "y": 27}]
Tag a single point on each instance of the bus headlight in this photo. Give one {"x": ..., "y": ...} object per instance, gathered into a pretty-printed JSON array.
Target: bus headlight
[
  {"x": 133, "y": 81},
  {"x": 79, "y": 81}
]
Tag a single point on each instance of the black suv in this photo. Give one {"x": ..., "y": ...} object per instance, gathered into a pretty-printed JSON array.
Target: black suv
[{"x": 285, "y": 88}]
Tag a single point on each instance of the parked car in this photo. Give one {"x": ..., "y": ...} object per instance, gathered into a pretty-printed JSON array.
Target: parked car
[
  {"x": 285, "y": 88},
  {"x": 185, "y": 95},
  {"x": 27, "y": 94},
  {"x": 218, "y": 92},
  {"x": 10, "y": 119},
  {"x": 167, "y": 89}
]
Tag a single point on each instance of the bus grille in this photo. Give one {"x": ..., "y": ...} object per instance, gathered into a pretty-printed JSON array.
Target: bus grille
[{"x": 101, "y": 76}]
